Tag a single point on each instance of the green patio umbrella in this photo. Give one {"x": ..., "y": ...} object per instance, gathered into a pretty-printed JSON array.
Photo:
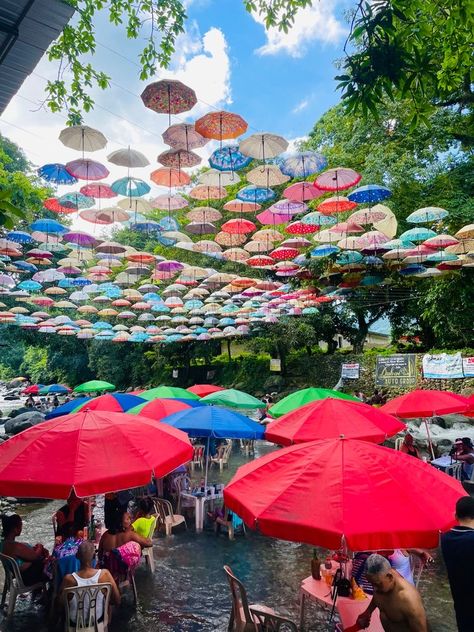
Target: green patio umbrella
[
  {"x": 234, "y": 399},
  {"x": 305, "y": 396},
  {"x": 94, "y": 386},
  {"x": 168, "y": 392}
]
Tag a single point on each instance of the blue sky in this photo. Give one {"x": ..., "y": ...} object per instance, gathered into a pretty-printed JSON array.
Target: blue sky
[{"x": 277, "y": 83}]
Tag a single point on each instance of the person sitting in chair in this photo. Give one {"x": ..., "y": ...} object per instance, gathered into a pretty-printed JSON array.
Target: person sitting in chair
[
  {"x": 72, "y": 517},
  {"x": 30, "y": 559},
  {"x": 408, "y": 446},
  {"x": 144, "y": 518}
]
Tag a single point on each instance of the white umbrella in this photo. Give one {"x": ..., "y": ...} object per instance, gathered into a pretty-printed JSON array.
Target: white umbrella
[
  {"x": 216, "y": 178},
  {"x": 262, "y": 146},
  {"x": 82, "y": 138},
  {"x": 130, "y": 158}
]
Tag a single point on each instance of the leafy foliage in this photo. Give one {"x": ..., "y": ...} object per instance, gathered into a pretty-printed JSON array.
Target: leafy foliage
[
  {"x": 157, "y": 22},
  {"x": 418, "y": 50}
]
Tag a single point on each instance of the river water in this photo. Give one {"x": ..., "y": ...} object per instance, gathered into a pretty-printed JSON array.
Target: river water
[{"x": 189, "y": 592}]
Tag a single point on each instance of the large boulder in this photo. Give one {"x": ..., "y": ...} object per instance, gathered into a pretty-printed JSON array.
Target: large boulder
[
  {"x": 19, "y": 411},
  {"x": 23, "y": 422}
]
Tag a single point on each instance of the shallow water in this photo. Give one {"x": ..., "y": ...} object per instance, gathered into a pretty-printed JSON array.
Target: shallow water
[{"x": 189, "y": 592}]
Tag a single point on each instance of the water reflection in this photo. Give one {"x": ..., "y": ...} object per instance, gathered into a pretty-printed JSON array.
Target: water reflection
[{"x": 189, "y": 592}]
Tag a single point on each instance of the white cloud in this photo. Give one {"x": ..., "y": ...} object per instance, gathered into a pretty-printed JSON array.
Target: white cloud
[
  {"x": 294, "y": 144},
  {"x": 299, "y": 107},
  {"x": 314, "y": 23}
]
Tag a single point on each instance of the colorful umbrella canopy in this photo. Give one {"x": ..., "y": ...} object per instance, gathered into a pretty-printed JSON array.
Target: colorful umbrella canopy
[
  {"x": 130, "y": 158},
  {"x": 331, "y": 418},
  {"x": 303, "y": 164},
  {"x": 76, "y": 200},
  {"x": 82, "y": 138},
  {"x": 98, "y": 190},
  {"x": 158, "y": 409},
  {"x": 267, "y": 176},
  {"x": 94, "y": 386},
  {"x": 212, "y": 421},
  {"x": 169, "y": 177},
  {"x": 305, "y": 396},
  {"x": 369, "y": 194},
  {"x": 221, "y": 125},
  {"x": 420, "y": 403},
  {"x": 33, "y": 389},
  {"x": 320, "y": 493},
  {"x": 263, "y": 146},
  {"x": 337, "y": 179},
  {"x": 427, "y": 214},
  {"x": 111, "y": 402},
  {"x": 302, "y": 192},
  {"x": 336, "y": 204},
  {"x": 179, "y": 158},
  {"x": 48, "y": 226},
  {"x": 59, "y": 389},
  {"x": 184, "y": 136},
  {"x": 255, "y": 194},
  {"x": 56, "y": 173},
  {"x": 90, "y": 452},
  {"x": 201, "y": 390},
  {"x": 234, "y": 399},
  {"x": 239, "y": 206},
  {"x": 238, "y": 226},
  {"x": 229, "y": 158},
  {"x": 132, "y": 187},
  {"x": 169, "y": 96},
  {"x": 207, "y": 192},
  {"x": 87, "y": 169},
  {"x": 52, "y": 204},
  {"x": 168, "y": 392},
  {"x": 68, "y": 407}
]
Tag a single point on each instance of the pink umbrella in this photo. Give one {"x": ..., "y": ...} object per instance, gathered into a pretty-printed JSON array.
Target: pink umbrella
[
  {"x": 169, "y": 202},
  {"x": 239, "y": 206},
  {"x": 87, "y": 169},
  {"x": 184, "y": 136},
  {"x": 372, "y": 238},
  {"x": 288, "y": 207},
  {"x": 179, "y": 158},
  {"x": 337, "y": 179},
  {"x": 267, "y": 217},
  {"x": 441, "y": 241},
  {"x": 302, "y": 192},
  {"x": 98, "y": 190},
  {"x": 204, "y": 192},
  {"x": 105, "y": 216}
]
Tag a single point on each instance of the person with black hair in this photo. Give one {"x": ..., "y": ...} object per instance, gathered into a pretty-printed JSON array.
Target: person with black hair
[
  {"x": 72, "y": 517},
  {"x": 457, "y": 547},
  {"x": 30, "y": 559},
  {"x": 465, "y": 453},
  {"x": 144, "y": 518}
]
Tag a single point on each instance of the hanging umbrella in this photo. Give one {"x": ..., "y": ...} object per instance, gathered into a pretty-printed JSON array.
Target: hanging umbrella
[
  {"x": 204, "y": 213},
  {"x": 169, "y": 96},
  {"x": 267, "y": 176},
  {"x": 169, "y": 177},
  {"x": 201, "y": 228},
  {"x": 167, "y": 392},
  {"x": 258, "y": 246},
  {"x": 238, "y": 226},
  {"x": 206, "y": 246},
  {"x": 427, "y": 214},
  {"x": 369, "y": 194},
  {"x": 260, "y": 261},
  {"x": 131, "y": 187},
  {"x": 320, "y": 493},
  {"x": 337, "y": 204},
  {"x": 130, "y": 158},
  {"x": 298, "y": 228},
  {"x": 53, "y": 204},
  {"x": 80, "y": 239},
  {"x": 98, "y": 190},
  {"x": 229, "y": 158},
  {"x": 255, "y": 194},
  {"x": 221, "y": 125},
  {"x": 104, "y": 216},
  {"x": 417, "y": 234},
  {"x": 234, "y": 399},
  {"x": 440, "y": 241},
  {"x": 272, "y": 217},
  {"x": 91, "y": 453},
  {"x": 329, "y": 419},
  {"x": 305, "y": 396},
  {"x": 169, "y": 202},
  {"x": 230, "y": 239},
  {"x": 87, "y": 169},
  {"x": 206, "y": 192},
  {"x": 367, "y": 216},
  {"x": 235, "y": 254},
  {"x": 178, "y": 158},
  {"x": 466, "y": 232},
  {"x": 239, "y": 206},
  {"x": 201, "y": 390},
  {"x": 48, "y": 226},
  {"x": 184, "y": 136},
  {"x": 263, "y": 146},
  {"x": 337, "y": 179},
  {"x": 303, "y": 164},
  {"x": 82, "y": 138},
  {"x": 56, "y": 173},
  {"x": 214, "y": 177},
  {"x": 94, "y": 386},
  {"x": 135, "y": 205},
  {"x": 302, "y": 192}
]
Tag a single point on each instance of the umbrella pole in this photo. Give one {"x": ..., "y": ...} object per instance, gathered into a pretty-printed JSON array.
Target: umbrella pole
[
  {"x": 430, "y": 443},
  {"x": 207, "y": 464}
]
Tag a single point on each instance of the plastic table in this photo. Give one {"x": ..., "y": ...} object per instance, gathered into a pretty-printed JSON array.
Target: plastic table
[
  {"x": 347, "y": 609},
  {"x": 200, "y": 504}
]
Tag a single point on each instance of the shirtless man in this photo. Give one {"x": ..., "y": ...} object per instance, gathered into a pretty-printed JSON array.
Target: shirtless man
[{"x": 400, "y": 605}]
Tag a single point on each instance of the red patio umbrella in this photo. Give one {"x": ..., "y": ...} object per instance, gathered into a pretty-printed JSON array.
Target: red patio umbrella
[
  {"x": 157, "y": 409},
  {"x": 91, "y": 452},
  {"x": 345, "y": 493},
  {"x": 204, "y": 389},
  {"x": 427, "y": 403},
  {"x": 33, "y": 389},
  {"x": 331, "y": 418}
]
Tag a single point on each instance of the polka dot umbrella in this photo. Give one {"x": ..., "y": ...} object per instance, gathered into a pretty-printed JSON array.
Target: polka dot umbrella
[
  {"x": 284, "y": 253},
  {"x": 260, "y": 261},
  {"x": 221, "y": 125},
  {"x": 298, "y": 228}
]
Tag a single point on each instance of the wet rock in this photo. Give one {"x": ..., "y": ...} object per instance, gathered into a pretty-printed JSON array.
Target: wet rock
[
  {"x": 11, "y": 499},
  {"x": 23, "y": 422},
  {"x": 19, "y": 411}
]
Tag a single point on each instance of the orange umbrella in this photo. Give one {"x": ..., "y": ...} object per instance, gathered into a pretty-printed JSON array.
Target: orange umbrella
[
  {"x": 221, "y": 125},
  {"x": 169, "y": 177}
]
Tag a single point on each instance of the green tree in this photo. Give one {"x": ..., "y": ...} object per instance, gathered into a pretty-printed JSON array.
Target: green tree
[
  {"x": 157, "y": 22},
  {"x": 418, "y": 50}
]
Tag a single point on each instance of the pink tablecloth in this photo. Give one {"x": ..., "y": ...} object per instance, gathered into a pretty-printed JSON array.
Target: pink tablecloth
[{"x": 347, "y": 609}]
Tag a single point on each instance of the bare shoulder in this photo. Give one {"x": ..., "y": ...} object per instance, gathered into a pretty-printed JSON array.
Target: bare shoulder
[
  {"x": 105, "y": 576},
  {"x": 410, "y": 598},
  {"x": 69, "y": 581}
]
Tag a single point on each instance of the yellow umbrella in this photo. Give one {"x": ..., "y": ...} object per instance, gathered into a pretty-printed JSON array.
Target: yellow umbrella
[{"x": 466, "y": 232}]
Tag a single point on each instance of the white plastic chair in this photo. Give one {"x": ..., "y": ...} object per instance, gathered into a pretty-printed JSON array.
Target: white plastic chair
[
  {"x": 454, "y": 470},
  {"x": 86, "y": 600},
  {"x": 14, "y": 584},
  {"x": 222, "y": 456},
  {"x": 417, "y": 566},
  {"x": 147, "y": 552},
  {"x": 168, "y": 518},
  {"x": 398, "y": 443}
]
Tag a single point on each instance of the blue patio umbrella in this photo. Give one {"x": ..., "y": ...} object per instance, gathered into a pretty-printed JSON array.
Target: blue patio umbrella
[
  {"x": 48, "y": 226},
  {"x": 417, "y": 234},
  {"x": 303, "y": 164},
  {"x": 255, "y": 194},
  {"x": 19, "y": 237},
  {"x": 67, "y": 408},
  {"x": 369, "y": 194},
  {"x": 130, "y": 187},
  {"x": 324, "y": 251},
  {"x": 76, "y": 200},
  {"x": 57, "y": 173},
  {"x": 229, "y": 158},
  {"x": 58, "y": 389},
  {"x": 81, "y": 282}
]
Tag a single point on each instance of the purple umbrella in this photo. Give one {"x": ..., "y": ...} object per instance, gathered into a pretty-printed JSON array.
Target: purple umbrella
[
  {"x": 80, "y": 238},
  {"x": 169, "y": 266},
  {"x": 288, "y": 207},
  {"x": 87, "y": 169}
]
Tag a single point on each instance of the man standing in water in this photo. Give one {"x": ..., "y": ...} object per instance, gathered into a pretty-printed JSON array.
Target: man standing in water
[
  {"x": 400, "y": 605},
  {"x": 458, "y": 552}
]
